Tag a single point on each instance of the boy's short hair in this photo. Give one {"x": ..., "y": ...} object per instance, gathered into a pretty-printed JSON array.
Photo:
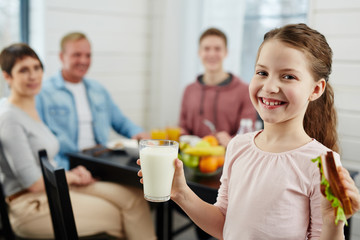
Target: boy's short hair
[
  {"x": 73, "y": 36},
  {"x": 213, "y": 32}
]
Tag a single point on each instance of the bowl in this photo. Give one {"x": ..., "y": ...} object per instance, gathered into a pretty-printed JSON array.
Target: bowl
[
  {"x": 197, "y": 172},
  {"x": 192, "y": 163}
]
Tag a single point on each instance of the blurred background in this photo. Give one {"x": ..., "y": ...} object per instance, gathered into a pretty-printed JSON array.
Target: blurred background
[{"x": 145, "y": 51}]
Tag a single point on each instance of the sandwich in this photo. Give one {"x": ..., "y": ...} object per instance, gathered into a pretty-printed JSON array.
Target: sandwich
[{"x": 332, "y": 188}]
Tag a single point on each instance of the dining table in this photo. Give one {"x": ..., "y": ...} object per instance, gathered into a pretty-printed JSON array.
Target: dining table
[{"x": 120, "y": 167}]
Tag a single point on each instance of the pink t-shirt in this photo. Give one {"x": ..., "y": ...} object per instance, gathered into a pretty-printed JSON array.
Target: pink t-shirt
[{"x": 267, "y": 195}]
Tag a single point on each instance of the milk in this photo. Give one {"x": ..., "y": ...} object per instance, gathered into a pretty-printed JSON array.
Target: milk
[{"x": 157, "y": 165}]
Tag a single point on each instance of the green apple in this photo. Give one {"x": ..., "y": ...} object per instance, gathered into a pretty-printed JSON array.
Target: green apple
[{"x": 190, "y": 161}]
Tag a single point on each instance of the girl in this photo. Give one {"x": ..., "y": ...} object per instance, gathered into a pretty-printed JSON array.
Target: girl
[
  {"x": 98, "y": 206},
  {"x": 269, "y": 186}
]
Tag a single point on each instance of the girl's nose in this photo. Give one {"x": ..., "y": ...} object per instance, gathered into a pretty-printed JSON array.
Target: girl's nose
[{"x": 271, "y": 85}]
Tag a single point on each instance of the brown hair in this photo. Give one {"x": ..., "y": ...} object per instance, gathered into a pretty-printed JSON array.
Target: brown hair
[
  {"x": 320, "y": 118},
  {"x": 73, "y": 36},
  {"x": 15, "y": 52},
  {"x": 213, "y": 32}
]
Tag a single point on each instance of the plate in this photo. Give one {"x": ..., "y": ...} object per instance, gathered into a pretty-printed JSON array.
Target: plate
[{"x": 122, "y": 144}]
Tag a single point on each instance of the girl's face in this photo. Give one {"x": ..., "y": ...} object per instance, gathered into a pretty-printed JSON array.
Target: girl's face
[
  {"x": 283, "y": 85},
  {"x": 212, "y": 52},
  {"x": 26, "y": 77}
]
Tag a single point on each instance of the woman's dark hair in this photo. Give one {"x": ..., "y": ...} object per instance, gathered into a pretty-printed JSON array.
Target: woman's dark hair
[
  {"x": 320, "y": 117},
  {"x": 11, "y": 54}
]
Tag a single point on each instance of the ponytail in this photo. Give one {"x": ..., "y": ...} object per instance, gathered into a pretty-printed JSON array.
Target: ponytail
[{"x": 320, "y": 119}]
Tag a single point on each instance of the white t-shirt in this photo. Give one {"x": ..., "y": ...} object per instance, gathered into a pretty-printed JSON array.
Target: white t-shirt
[{"x": 85, "y": 135}]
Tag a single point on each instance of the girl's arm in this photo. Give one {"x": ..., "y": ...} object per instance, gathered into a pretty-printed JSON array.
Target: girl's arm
[
  {"x": 331, "y": 231},
  {"x": 207, "y": 216}
]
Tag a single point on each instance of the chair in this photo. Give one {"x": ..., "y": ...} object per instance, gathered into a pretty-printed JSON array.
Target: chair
[
  {"x": 57, "y": 192},
  {"x": 60, "y": 206},
  {"x": 6, "y": 230}
]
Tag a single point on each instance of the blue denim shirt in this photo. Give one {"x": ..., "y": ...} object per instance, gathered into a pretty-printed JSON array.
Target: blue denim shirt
[{"x": 57, "y": 108}]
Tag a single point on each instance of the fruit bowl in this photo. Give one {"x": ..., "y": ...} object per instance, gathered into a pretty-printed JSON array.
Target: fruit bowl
[
  {"x": 210, "y": 174},
  {"x": 197, "y": 172},
  {"x": 202, "y": 165},
  {"x": 204, "y": 157}
]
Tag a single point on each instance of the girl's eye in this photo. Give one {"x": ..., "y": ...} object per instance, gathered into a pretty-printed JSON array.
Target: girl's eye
[
  {"x": 261, "y": 73},
  {"x": 289, "y": 77}
]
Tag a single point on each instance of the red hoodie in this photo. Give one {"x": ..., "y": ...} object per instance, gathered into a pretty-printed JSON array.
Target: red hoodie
[{"x": 224, "y": 105}]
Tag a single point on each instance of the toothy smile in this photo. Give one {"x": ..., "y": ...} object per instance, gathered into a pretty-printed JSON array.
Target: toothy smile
[{"x": 271, "y": 102}]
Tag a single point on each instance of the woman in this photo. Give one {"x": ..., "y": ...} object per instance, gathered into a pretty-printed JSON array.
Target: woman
[{"x": 98, "y": 206}]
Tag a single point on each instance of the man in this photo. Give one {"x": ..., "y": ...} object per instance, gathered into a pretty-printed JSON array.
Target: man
[
  {"x": 217, "y": 101},
  {"x": 79, "y": 111}
]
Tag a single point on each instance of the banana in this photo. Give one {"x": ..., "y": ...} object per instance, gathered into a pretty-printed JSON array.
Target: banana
[{"x": 205, "y": 150}]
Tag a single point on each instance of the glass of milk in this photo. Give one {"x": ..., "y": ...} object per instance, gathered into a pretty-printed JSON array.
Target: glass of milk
[{"x": 157, "y": 165}]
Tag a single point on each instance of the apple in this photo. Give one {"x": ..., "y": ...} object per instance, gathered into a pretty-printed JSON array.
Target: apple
[{"x": 190, "y": 161}]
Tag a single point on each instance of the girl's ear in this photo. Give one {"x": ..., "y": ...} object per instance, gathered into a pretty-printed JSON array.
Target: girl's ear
[{"x": 318, "y": 89}]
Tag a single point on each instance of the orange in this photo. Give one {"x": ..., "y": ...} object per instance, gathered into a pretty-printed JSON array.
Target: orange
[
  {"x": 211, "y": 139},
  {"x": 208, "y": 164},
  {"x": 220, "y": 160}
]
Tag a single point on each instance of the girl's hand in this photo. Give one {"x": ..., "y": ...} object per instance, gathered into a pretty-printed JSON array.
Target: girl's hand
[
  {"x": 350, "y": 188},
  {"x": 140, "y": 172},
  {"x": 352, "y": 192},
  {"x": 179, "y": 182}
]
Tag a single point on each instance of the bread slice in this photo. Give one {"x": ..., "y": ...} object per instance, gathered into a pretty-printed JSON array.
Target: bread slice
[{"x": 331, "y": 174}]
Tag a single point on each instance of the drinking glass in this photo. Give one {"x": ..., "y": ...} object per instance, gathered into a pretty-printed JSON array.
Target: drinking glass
[
  {"x": 157, "y": 165},
  {"x": 158, "y": 134},
  {"x": 173, "y": 133}
]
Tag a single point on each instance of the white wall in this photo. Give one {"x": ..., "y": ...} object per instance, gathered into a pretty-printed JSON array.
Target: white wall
[
  {"x": 176, "y": 28},
  {"x": 163, "y": 87},
  {"x": 119, "y": 33},
  {"x": 339, "y": 22}
]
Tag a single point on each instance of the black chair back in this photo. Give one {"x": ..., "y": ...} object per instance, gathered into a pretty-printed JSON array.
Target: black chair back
[
  {"x": 6, "y": 229},
  {"x": 59, "y": 200}
]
